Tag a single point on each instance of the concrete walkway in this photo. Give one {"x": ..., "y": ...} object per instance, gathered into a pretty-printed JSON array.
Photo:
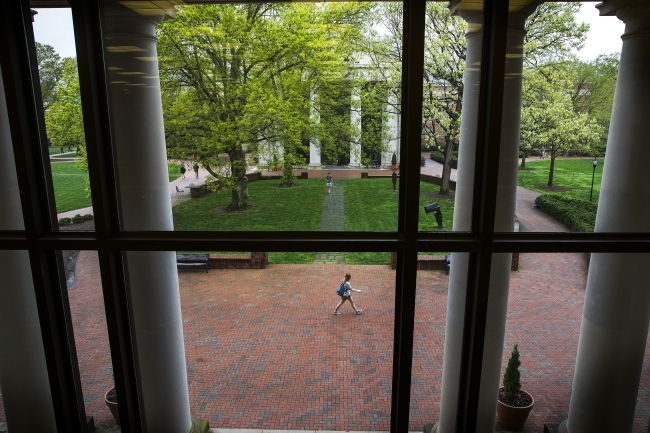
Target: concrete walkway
[{"x": 332, "y": 220}]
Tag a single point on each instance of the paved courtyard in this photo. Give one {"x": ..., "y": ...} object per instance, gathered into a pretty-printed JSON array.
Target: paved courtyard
[{"x": 264, "y": 351}]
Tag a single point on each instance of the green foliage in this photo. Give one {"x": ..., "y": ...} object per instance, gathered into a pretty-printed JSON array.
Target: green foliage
[
  {"x": 288, "y": 179},
  {"x": 69, "y": 187},
  {"x": 75, "y": 219},
  {"x": 393, "y": 159},
  {"x": 50, "y": 71},
  {"x": 548, "y": 118},
  {"x": 439, "y": 157},
  {"x": 239, "y": 79},
  {"x": 423, "y": 161},
  {"x": 577, "y": 215},
  {"x": 63, "y": 118},
  {"x": 512, "y": 377},
  {"x": 594, "y": 83}
]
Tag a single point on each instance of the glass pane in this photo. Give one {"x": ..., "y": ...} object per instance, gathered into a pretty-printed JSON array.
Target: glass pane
[
  {"x": 57, "y": 68},
  {"x": 452, "y": 60},
  {"x": 25, "y": 397},
  {"x": 91, "y": 335},
  {"x": 567, "y": 102},
  {"x": 575, "y": 319},
  {"x": 432, "y": 330},
  {"x": 254, "y": 116},
  {"x": 262, "y": 346}
]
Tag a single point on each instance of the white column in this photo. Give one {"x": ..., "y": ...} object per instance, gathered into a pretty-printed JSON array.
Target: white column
[
  {"x": 146, "y": 205},
  {"x": 617, "y": 301},
  {"x": 355, "y": 122},
  {"x": 24, "y": 381},
  {"x": 314, "y": 145},
  {"x": 505, "y": 214}
]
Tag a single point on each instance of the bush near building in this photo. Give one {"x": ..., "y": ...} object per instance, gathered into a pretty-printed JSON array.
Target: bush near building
[
  {"x": 439, "y": 157},
  {"x": 577, "y": 215}
]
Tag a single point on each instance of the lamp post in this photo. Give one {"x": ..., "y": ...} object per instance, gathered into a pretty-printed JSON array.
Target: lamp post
[{"x": 593, "y": 176}]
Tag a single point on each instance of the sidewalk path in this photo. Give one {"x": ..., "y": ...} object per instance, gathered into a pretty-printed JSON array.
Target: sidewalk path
[{"x": 332, "y": 220}]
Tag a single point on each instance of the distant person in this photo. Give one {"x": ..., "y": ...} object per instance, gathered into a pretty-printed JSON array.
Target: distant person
[
  {"x": 183, "y": 170},
  {"x": 394, "y": 178},
  {"x": 347, "y": 296},
  {"x": 61, "y": 150},
  {"x": 329, "y": 182},
  {"x": 196, "y": 169}
]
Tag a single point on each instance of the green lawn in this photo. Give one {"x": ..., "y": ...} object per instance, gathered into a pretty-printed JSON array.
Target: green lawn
[
  {"x": 370, "y": 205},
  {"x": 69, "y": 187},
  {"x": 174, "y": 171},
  {"x": 574, "y": 175}
]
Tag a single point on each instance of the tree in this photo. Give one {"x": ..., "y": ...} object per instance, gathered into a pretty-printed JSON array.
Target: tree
[
  {"x": 237, "y": 77},
  {"x": 63, "y": 118},
  {"x": 593, "y": 91},
  {"x": 50, "y": 71},
  {"x": 512, "y": 377},
  {"x": 548, "y": 117},
  {"x": 552, "y": 34}
]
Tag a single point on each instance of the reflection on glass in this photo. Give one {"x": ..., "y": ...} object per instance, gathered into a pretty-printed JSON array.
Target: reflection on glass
[
  {"x": 260, "y": 106},
  {"x": 63, "y": 123},
  {"x": 266, "y": 348},
  {"x": 91, "y": 335}
]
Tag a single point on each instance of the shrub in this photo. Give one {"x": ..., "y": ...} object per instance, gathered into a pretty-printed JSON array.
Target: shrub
[
  {"x": 65, "y": 221},
  {"x": 577, "y": 215},
  {"x": 512, "y": 378},
  {"x": 393, "y": 160},
  {"x": 439, "y": 157},
  {"x": 422, "y": 161},
  {"x": 77, "y": 219}
]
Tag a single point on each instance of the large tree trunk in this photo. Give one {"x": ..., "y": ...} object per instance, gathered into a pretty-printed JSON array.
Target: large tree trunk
[
  {"x": 550, "y": 172},
  {"x": 523, "y": 160},
  {"x": 446, "y": 167},
  {"x": 238, "y": 170}
]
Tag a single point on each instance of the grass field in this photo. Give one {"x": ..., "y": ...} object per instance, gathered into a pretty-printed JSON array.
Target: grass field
[
  {"x": 370, "y": 205},
  {"x": 173, "y": 171},
  {"x": 572, "y": 177},
  {"x": 69, "y": 187}
]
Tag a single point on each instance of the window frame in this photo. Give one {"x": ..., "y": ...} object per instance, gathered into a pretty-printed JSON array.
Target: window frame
[{"x": 44, "y": 242}]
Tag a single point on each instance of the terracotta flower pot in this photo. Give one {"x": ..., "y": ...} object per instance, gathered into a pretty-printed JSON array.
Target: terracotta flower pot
[
  {"x": 112, "y": 407},
  {"x": 513, "y": 418}
]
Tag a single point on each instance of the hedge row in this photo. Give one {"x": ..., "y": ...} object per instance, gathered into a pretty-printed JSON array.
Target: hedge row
[
  {"x": 577, "y": 215},
  {"x": 439, "y": 157},
  {"x": 75, "y": 219}
]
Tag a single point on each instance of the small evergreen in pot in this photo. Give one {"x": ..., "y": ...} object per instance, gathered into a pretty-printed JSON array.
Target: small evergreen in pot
[
  {"x": 513, "y": 404},
  {"x": 393, "y": 161}
]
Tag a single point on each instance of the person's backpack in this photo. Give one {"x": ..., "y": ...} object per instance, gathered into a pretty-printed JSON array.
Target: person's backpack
[{"x": 341, "y": 290}]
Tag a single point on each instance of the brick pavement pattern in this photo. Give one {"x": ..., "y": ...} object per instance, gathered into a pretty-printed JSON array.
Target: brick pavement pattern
[{"x": 264, "y": 351}]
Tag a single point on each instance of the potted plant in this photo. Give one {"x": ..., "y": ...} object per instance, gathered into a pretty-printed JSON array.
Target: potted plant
[
  {"x": 513, "y": 404},
  {"x": 110, "y": 398},
  {"x": 393, "y": 161}
]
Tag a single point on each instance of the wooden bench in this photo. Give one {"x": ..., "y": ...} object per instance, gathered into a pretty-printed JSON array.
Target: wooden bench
[{"x": 193, "y": 261}]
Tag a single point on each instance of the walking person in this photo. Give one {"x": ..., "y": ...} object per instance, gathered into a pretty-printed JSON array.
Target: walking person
[
  {"x": 347, "y": 295},
  {"x": 183, "y": 170},
  {"x": 329, "y": 182},
  {"x": 196, "y": 169},
  {"x": 394, "y": 178}
]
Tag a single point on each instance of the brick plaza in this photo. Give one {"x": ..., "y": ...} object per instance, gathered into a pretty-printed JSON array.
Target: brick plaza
[{"x": 264, "y": 350}]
